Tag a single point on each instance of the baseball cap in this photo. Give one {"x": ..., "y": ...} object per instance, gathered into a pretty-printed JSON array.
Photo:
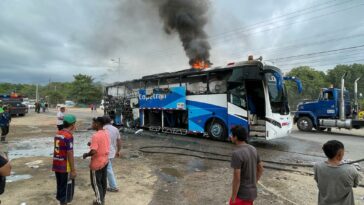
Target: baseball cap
[{"x": 69, "y": 118}]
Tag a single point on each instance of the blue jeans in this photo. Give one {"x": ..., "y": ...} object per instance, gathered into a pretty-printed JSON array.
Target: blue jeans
[{"x": 110, "y": 176}]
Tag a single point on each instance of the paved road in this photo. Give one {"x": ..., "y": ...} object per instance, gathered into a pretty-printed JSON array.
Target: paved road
[{"x": 313, "y": 141}]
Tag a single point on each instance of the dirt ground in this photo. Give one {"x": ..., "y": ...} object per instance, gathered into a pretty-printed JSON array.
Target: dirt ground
[{"x": 143, "y": 179}]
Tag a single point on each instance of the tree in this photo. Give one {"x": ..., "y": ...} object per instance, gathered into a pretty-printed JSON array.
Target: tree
[
  {"x": 84, "y": 90},
  {"x": 312, "y": 80},
  {"x": 353, "y": 71},
  {"x": 54, "y": 97}
]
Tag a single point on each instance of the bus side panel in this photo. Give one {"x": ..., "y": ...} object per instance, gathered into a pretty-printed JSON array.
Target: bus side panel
[
  {"x": 201, "y": 108},
  {"x": 237, "y": 116},
  {"x": 234, "y": 121}
]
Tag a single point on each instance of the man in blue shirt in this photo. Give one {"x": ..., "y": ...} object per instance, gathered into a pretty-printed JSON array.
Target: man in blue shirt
[{"x": 5, "y": 119}]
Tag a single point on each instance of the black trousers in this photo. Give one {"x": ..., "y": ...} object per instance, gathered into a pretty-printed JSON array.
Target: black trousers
[
  {"x": 65, "y": 187},
  {"x": 4, "y": 130},
  {"x": 99, "y": 184}
]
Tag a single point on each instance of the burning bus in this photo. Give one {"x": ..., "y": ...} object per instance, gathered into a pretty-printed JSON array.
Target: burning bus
[{"x": 206, "y": 100}]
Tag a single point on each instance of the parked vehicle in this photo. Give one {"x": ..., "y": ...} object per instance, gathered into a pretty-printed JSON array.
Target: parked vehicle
[
  {"x": 17, "y": 108},
  {"x": 14, "y": 101},
  {"x": 332, "y": 110},
  {"x": 102, "y": 107},
  {"x": 29, "y": 103},
  {"x": 69, "y": 103}
]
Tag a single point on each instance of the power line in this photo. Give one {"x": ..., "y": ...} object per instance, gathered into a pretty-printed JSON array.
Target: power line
[
  {"x": 320, "y": 60},
  {"x": 267, "y": 22},
  {"x": 303, "y": 44},
  {"x": 315, "y": 53},
  {"x": 269, "y": 29}
]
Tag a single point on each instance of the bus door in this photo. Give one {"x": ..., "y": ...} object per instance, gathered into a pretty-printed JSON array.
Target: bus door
[
  {"x": 237, "y": 105},
  {"x": 256, "y": 107}
]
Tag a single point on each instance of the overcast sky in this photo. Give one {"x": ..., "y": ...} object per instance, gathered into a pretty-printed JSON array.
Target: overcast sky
[{"x": 45, "y": 40}]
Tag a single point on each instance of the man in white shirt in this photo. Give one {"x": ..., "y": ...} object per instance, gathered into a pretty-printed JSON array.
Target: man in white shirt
[
  {"x": 115, "y": 146},
  {"x": 60, "y": 116}
]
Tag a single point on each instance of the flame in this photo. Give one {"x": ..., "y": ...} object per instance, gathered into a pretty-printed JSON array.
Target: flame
[{"x": 200, "y": 64}]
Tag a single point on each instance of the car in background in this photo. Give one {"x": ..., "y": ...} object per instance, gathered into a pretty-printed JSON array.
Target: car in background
[
  {"x": 29, "y": 103},
  {"x": 69, "y": 103},
  {"x": 102, "y": 107}
]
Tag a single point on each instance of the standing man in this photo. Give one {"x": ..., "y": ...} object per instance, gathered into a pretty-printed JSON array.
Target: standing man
[
  {"x": 335, "y": 180},
  {"x": 247, "y": 169},
  {"x": 99, "y": 153},
  {"x": 5, "y": 119},
  {"x": 60, "y": 116},
  {"x": 64, "y": 162},
  {"x": 115, "y": 146},
  {"x": 37, "y": 107},
  {"x": 5, "y": 170}
]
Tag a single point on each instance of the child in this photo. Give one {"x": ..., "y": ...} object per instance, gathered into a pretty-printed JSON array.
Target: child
[{"x": 335, "y": 180}]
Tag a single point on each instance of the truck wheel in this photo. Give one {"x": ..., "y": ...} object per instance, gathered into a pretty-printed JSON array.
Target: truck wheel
[
  {"x": 217, "y": 130},
  {"x": 304, "y": 124}
]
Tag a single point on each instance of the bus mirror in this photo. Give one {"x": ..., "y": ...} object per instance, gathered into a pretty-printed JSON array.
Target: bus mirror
[{"x": 297, "y": 81}]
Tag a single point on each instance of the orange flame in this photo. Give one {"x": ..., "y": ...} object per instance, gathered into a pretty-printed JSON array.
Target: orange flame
[{"x": 200, "y": 64}]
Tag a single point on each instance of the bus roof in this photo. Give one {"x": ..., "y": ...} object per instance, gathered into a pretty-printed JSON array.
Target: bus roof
[{"x": 192, "y": 71}]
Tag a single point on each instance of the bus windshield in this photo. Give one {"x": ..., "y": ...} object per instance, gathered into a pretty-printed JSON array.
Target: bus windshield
[{"x": 277, "y": 97}]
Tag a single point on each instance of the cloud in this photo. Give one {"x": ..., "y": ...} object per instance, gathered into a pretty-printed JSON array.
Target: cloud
[{"x": 42, "y": 40}]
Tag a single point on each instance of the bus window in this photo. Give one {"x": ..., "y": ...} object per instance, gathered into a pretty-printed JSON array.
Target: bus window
[
  {"x": 238, "y": 96},
  {"x": 217, "y": 82},
  {"x": 278, "y": 98},
  {"x": 195, "y": 85}
]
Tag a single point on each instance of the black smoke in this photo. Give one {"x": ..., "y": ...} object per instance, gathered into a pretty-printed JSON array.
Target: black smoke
[{"x": 187, "y": 18}]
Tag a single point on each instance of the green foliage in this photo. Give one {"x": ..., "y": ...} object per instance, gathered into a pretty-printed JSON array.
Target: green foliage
[
  {"x": 54, "y": 97},
  {"x": 84, "y": 91},
  {"x": 312, "y": 80}
]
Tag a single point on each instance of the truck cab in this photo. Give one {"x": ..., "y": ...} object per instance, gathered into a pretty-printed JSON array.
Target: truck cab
[{"x": 325, "y": 107}]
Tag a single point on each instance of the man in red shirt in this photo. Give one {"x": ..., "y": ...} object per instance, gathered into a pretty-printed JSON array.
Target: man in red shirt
[
  {"x": 63, "y": 160},
  {"x": 99, "y": 152}
]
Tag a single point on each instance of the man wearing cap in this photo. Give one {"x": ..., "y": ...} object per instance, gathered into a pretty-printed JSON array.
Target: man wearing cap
[
  {"x": 60, "y": 116},
  {"x": 99, "y": 153},
  {"x": 63, "y": 160}
]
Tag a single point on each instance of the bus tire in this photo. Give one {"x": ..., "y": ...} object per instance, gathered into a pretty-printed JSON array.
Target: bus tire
[
  {"x": 304, "y": 124},
  {"x": 217, "y": 130}
]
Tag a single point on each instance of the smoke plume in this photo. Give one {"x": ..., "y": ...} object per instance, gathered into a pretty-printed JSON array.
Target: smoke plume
[{"x": 187, "y": 18}]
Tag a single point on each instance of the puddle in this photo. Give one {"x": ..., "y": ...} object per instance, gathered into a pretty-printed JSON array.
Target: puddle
[
  {"x": 15, "y": 177},
  {"x": 172, "y": 172},
  {"x": 196, "y": 165},
  {"x": 169, "y": 174},
  {"x": 43, "y": 146}
]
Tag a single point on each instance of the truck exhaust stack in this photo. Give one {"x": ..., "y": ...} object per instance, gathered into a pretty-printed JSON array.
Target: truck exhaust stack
[
  {"x": 342, "y": 100},
  {"x": 356, "y": 105}
]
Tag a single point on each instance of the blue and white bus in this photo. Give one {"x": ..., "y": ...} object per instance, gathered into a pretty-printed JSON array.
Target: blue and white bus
[{"x": 208, "y": 101}]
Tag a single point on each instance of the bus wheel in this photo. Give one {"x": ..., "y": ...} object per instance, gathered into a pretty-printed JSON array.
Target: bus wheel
[
  {"x": 217, "y": 130},
  {"x": 304, "y": 124}
]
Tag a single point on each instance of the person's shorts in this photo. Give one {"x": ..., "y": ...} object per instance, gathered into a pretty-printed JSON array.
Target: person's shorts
[{"x": 241, "y": 202}]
